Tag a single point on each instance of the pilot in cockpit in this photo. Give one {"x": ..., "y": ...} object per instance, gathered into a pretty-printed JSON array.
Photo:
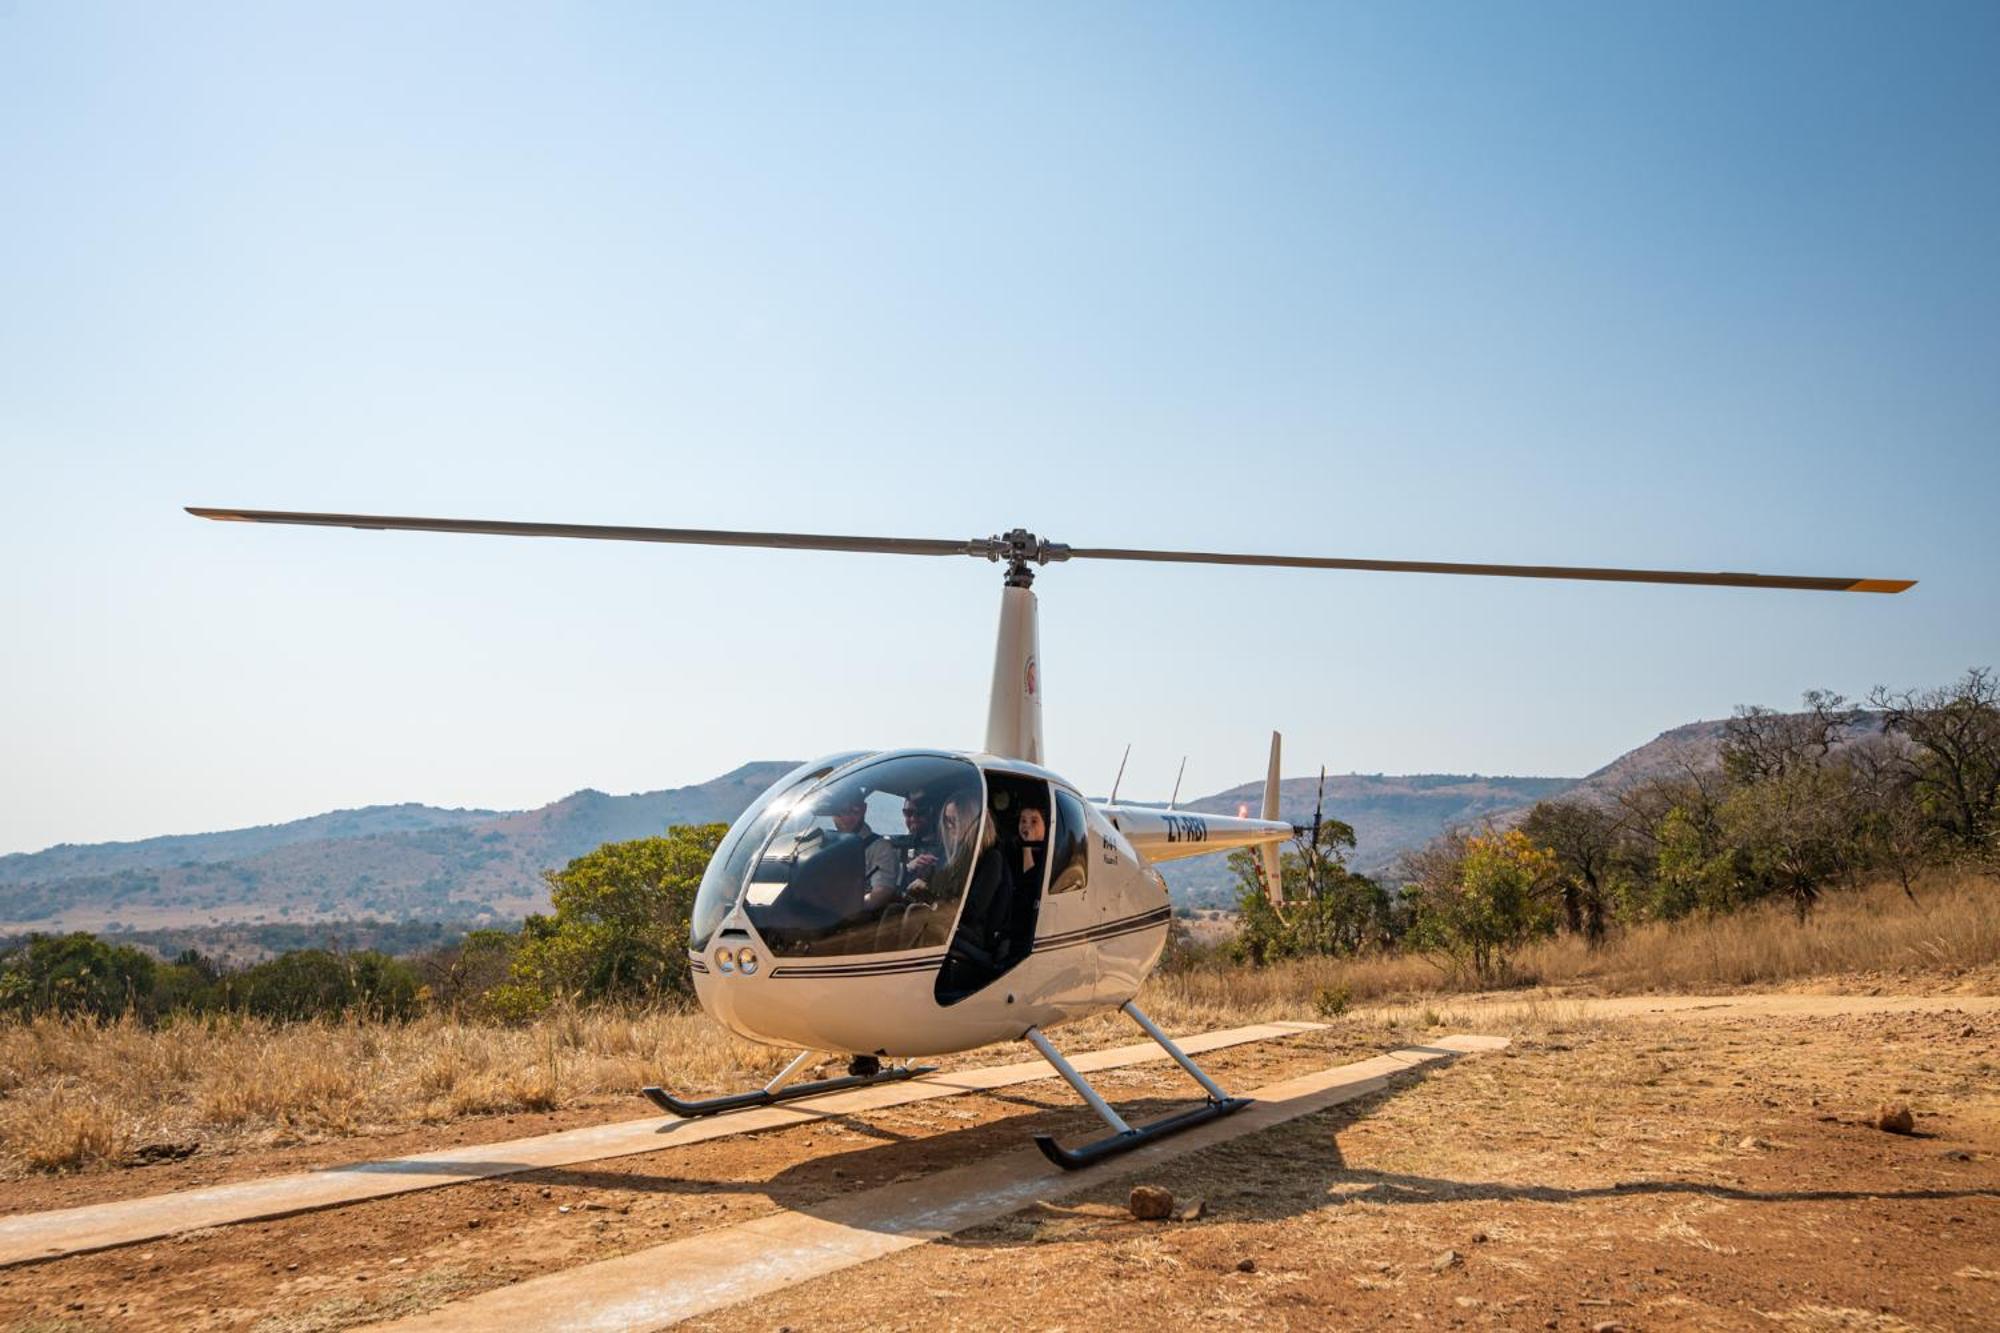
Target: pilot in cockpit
[{"x": 848, "y": 808}]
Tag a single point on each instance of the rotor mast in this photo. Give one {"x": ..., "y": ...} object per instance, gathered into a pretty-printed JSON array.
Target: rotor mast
[{"x": 1014, "y": 709}]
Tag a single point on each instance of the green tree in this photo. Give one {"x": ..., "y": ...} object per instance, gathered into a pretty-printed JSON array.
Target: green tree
[
  {"x": 1584, "y": 838},
  {"x": 1955, "y": 764},
  {"x": 619, "y": 930},
  {"x": 75, "y": 974},
  {"x": 1792, "y": 833},
  {"x": 1483, "y": 897},
  {"x": 1690, "y": 870},
  {"x": 1330, "y": 909}
]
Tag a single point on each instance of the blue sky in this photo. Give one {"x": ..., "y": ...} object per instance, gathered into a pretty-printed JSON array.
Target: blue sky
[{"x": 1707, "y": 286}]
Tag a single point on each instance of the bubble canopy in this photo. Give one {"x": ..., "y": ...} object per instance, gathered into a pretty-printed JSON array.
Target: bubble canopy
[{"x": 851, "y": 854}]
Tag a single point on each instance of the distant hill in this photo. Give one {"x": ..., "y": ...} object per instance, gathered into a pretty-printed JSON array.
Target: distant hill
[
  {"x": 68, "y": 859},
  {"x": 393, "y": 862},
  {"x": 1694, "y": 748}
]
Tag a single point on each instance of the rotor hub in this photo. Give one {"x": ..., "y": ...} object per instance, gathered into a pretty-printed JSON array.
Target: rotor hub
[{"x": 1022, "y": 550}]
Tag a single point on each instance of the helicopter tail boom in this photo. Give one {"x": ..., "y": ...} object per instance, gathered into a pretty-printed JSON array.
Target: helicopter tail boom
[{"x": 1173, "y": 835}]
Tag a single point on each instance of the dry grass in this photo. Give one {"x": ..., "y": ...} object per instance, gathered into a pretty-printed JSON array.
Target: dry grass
[
  {"x": 1952, "y": 931},
  {"x": 76, "y": 1094}
]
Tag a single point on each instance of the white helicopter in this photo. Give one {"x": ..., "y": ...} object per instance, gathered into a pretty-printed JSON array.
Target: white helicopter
[{"x": 1005, "y": 903}]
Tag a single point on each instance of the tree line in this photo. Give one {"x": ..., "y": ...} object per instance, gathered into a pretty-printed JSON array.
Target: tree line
[{"x": 1800, "y": 804}]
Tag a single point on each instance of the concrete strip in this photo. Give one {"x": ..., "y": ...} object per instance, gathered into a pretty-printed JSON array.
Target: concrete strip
[
  {"x": 1678, "y": 1008},
  {"x": 656, "y": 1287},
  {"x": 26, "y": 1237}
]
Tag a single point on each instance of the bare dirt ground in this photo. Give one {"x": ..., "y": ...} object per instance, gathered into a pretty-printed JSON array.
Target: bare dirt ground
[
  {"x": 1599, "y": 1174},
  {"x": 1705, "y": 1168}
]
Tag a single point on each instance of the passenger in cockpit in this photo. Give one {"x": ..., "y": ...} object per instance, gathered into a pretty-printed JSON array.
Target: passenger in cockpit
[
  {"x": 1026, "y": 857},
  {"x": 921, "y": 851}
]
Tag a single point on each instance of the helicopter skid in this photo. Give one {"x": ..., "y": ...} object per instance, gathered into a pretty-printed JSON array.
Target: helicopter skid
[
  {"x": 739, "y": 1101},
  {"x": 1123, "y": 1137},
  {"x": 1075, "y": 1159}
]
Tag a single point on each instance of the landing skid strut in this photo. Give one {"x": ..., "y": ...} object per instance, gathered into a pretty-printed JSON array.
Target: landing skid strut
[
  {"x": 867, "y": 1072},
  {"x": 1124, "y": 1138}
]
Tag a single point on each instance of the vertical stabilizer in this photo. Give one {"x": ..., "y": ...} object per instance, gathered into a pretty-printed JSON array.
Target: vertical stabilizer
[
  {"x": 1014, "y": 713},
  {"x": 1268, "y": 855}
]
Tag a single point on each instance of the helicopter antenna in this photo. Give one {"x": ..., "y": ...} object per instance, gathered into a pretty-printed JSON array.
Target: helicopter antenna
[
  {"x": 1121, "y": 774},
  {"x": 1175, "y": 799}
]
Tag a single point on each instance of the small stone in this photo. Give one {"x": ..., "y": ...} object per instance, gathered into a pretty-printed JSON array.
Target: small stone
[
  {"x": 165, "y": 1152},
  {"x": 1956, "y": 1155},
  {"x": 1894, "y": 1118},
  {"x": 1150, "y": 1203},
  {"x": 1246, "y": 1265},
  {"x": 1193, "y": 1211},
  {"x": 398, "y": 1262},
  {"x": 1448, "y": 1259},
  {"x": 1480, "y": 1238},
  {"x": 1965, "y": 1031},
  {"x": 472, "y": 1224},
  {"x": 562, "y": 1207},
  {"x": 1751, "y": 1143}
]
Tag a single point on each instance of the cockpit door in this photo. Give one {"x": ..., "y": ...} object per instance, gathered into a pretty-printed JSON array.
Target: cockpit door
[{"x": 996, "y": 926}]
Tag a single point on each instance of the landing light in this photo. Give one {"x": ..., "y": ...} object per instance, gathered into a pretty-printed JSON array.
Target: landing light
[
  {"x": 747, "y": 961},
  {"x": 725, "y": 961}
]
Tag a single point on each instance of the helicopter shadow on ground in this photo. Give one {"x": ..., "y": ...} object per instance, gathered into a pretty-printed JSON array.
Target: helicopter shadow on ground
[{"x": 824, "y": 1184}]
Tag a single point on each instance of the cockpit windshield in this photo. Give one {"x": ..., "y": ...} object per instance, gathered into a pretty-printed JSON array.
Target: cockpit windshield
[
  {"x": 870, "y": 859},
  {"x": 723, "y": 879}
]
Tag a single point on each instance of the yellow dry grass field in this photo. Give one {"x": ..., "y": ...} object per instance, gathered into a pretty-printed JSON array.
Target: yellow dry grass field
[
  {"x": 1949, "y": 938},
  {"x": 77, "y": 1095}
]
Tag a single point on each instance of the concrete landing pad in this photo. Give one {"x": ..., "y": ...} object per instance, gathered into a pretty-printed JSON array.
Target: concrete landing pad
[
  {"x": 29, "y": 1236},
  {"x": 664, "y": 1284}
]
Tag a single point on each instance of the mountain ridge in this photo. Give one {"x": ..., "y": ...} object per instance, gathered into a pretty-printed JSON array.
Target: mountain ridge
[{"x": 418, "y": 862}]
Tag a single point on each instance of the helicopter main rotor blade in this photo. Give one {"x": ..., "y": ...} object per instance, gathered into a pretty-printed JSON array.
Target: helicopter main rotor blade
[
  {"x": 1720, "y": 579},
  {"x": 1022, "y": 546},
  {"x": 794, "y": 541}
]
